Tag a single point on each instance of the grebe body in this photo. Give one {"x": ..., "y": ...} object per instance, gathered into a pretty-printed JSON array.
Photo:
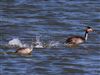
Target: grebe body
[
  {"x": 74, "y": 40},
  {"x": 23, "y": 51}
]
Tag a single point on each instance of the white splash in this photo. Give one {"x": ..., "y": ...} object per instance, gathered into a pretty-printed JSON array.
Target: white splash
[
  {"x": 16, "y": 42},
  {"x": 38, "y": 43},
  {"x": 54, "y": 44}
]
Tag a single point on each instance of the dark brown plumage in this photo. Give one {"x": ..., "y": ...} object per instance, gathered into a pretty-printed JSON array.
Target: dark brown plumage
[{"x": 73, "y": 39}]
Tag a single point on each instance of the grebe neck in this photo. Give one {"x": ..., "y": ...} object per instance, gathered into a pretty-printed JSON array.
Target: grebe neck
[{"x": 86, "y": 35}]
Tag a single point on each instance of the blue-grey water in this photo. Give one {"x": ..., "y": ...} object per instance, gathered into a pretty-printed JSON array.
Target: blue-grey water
[{"x": 53, "y": 21}]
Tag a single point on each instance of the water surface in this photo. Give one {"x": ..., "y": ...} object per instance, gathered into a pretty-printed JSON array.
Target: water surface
[{"x": 52, "y": 20}]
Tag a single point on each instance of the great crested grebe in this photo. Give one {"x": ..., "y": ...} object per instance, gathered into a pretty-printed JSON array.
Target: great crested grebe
[
  {"x": 74, "y": 40},
  {"x": 25, "y": 50}
]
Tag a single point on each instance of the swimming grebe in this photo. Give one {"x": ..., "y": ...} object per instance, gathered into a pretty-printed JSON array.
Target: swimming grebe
[
  {"x": 25, "y": 50},
  {"x": 74, "y": 40}
]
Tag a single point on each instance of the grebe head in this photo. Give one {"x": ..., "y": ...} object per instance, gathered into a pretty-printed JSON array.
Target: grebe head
[{"x": 89, "y": 29}]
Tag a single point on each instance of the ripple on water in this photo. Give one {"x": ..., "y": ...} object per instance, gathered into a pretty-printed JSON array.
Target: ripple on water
[{"x": 54, "y": 21}]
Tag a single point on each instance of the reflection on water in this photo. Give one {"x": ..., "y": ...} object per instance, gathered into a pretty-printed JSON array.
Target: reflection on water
[{"x": 53, "y": 20}]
